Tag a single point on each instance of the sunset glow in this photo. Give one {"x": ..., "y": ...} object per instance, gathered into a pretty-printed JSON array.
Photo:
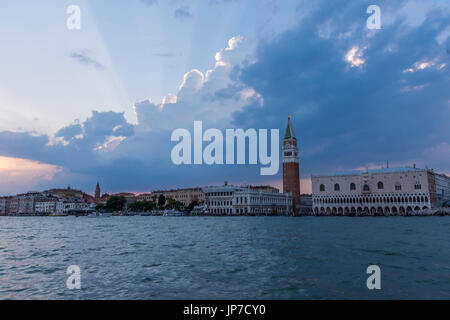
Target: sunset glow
[{"x": 16, "y": 173}]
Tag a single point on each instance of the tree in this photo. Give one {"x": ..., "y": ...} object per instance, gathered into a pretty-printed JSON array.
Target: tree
[
  {"x": 149, "y": 205},
  {"x": 192, "y": 205},
  {"x": 135, "y": 207},
  {"x": 100, "y": 207},
  {"x": 116, "y": 203},
  {"x": 161, "y": 200},
  {"x": 141, "y": 206}
]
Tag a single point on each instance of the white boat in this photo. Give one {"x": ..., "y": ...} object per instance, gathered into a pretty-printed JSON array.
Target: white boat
[
  {"x": 200, "y": 210},
  {"x": 172, "y": 213}
]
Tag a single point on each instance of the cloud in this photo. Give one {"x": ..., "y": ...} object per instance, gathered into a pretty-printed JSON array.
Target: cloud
[
  {"x": 69, "y": 132},
  {"x": 84, "y": 58},
  {"x": 21, "y": 175},
  {"x": 359, "y": 109},
  {"x": 437, "y": 157},
  {"x": 422, "y": 65},
  {"x": 106, "y": 147},
  {"x": 183, "y": 13},
  {"x": 355, "y": 57},
  {"x": 170, "y": 98},
  {"x": 192, "y": 82},
  {"x": 346, "y": 112}
]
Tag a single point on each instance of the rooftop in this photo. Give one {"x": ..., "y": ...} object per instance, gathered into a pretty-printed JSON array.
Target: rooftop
[{"x": 380, "y": 170}]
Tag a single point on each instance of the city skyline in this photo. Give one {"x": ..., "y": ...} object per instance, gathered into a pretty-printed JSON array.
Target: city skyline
[
  {"x": 278, "y": 185},
  {"x": 107, "y": 111}
]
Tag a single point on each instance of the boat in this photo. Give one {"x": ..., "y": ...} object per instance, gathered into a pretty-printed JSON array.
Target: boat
[
  {"x": 200, "y": 211},
  {"x": 173, "y": 213}
]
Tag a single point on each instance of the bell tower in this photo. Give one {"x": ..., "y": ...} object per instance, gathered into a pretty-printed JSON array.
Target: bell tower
[
  {"x": 291, "y": 171},
  {"x": 97, "y": 193}
]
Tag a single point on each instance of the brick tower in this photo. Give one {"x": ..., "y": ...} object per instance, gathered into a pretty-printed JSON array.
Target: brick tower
[{"x": 291, "y": 171}]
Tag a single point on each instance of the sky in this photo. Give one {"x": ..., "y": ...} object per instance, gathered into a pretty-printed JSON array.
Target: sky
[{"x": 100, "y": 103}]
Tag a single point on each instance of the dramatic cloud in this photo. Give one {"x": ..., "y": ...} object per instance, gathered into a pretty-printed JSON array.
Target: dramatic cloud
[
  {"x": 21, "y": 175},
  {"x": 357, "y": 96},
  {"x": 106, "y": 147}
]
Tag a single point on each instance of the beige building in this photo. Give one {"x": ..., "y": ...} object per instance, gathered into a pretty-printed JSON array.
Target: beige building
[
  {"x": 379, "y": 191},
  {"x": 145, "y": 197},
  {"x": 185, "y": 196}
]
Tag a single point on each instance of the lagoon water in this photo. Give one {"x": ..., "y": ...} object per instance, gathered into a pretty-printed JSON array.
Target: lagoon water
[{"x": 225, "y": 257}]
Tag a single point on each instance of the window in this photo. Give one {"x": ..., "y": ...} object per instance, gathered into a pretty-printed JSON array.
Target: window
[
  {"x": 322, "y": 187},
  {"x": 288, "y": 154},
  {"x": 398, "y": 186},
  {"x": 366, "y": 188},
  {"x": 417, "y": 186},
  {"x": 336, "y": 187},
  {"x": 380, "y": 185},
  {"x": 352, "y": 186}
]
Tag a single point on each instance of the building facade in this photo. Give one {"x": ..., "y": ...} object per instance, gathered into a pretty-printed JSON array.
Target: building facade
[
  {"x": 12, "y": 205},
  {"x": 185, "y": 196},
  {"x": 67, "y": 206},
  {"x": 379, "y": 192},
  {"x": 439, "y": 188},
  {"x": 234, "y": 200},
  {"x": 45, "y": 206},
  {"x": 5, "y": 205},
  {"x": 146, "y": 197},
  {"x": 291, "y": 171},
  {"x": 46, "y": 202},
  {"x": 26, "y": 202}
]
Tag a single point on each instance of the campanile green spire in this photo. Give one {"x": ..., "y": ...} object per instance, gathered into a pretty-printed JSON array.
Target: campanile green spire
[{"x": 289, "y": 134}]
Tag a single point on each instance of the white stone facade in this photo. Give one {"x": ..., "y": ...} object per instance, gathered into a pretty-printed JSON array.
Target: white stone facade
[
  {"x": 48, "y": 207},
  {"x": 233, "y": 200},
  {"x": 64, "y": 207},
  {"x": 376, "y": 192}
]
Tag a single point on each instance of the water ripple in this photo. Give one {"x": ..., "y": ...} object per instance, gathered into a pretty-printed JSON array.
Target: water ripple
[{"x": 224, "y": 258}]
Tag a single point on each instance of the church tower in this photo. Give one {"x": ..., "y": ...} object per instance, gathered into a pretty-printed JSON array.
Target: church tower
[
  {"x": 97, "y": 193},
  {"x": 291, "y": 171}
]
